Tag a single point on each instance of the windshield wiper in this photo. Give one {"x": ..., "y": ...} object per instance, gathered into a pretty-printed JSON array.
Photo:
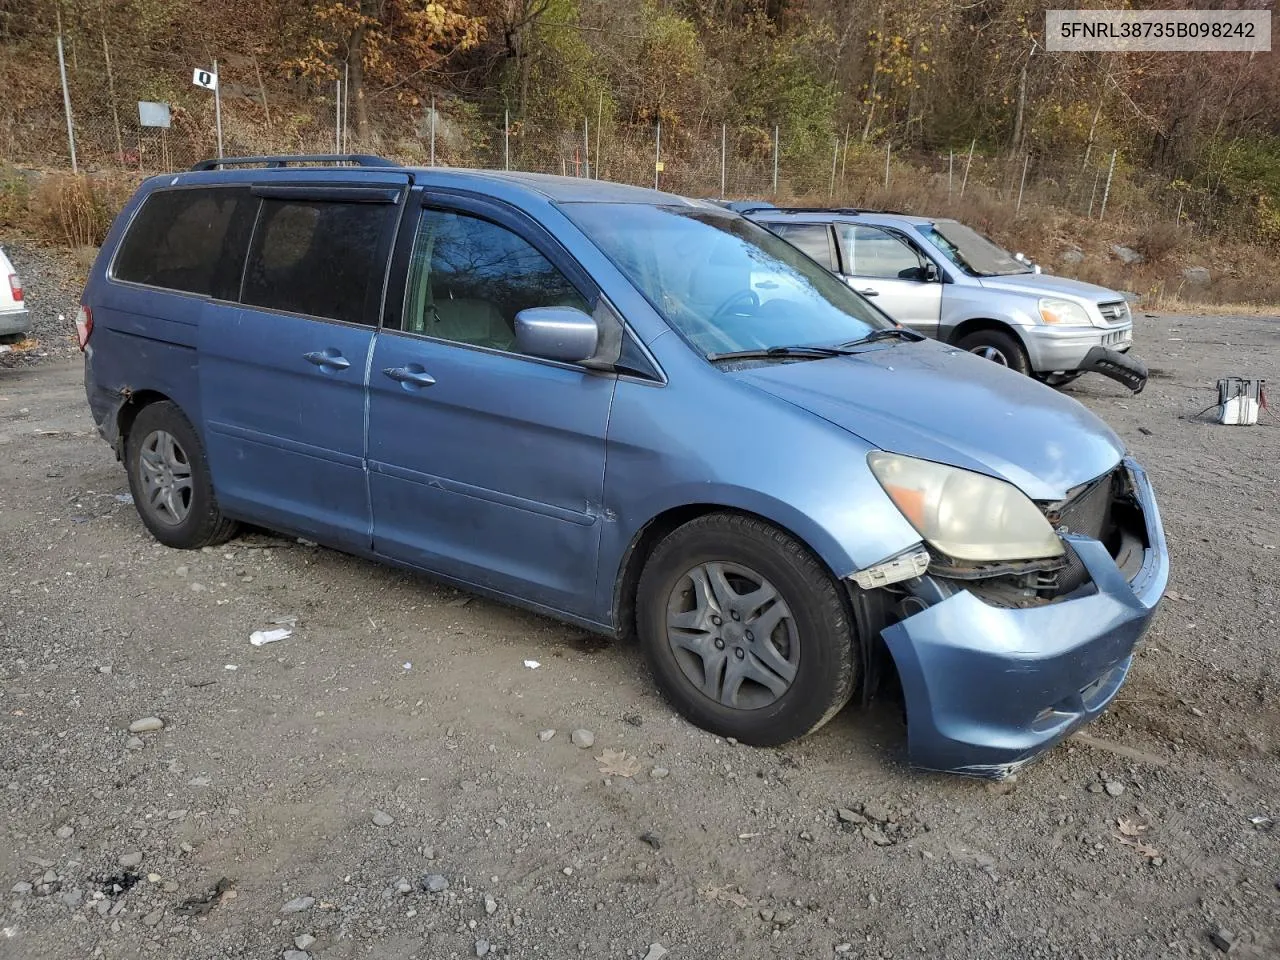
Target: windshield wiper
[
  {"x": 783, "y": 353},
  {"x": 888, "y": 333}
]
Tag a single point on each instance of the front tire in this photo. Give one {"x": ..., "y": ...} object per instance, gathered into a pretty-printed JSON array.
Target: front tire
[
  {"x": 744, "y": 630},
  {"x": 170, "y": 482},
  {"x": 998, "y": 347}
]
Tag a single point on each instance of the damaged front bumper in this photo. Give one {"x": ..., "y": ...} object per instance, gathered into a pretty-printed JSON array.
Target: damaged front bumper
[{"x": 987, "y": 688}]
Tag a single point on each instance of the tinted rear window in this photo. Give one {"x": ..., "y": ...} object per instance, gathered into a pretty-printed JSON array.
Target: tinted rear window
[
  {"x": 189, "y": 240},
  {"x": 319, "y": 258}
]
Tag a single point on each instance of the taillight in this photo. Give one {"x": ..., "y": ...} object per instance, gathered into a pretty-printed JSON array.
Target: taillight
[
  {"x": 84, "y": 325},
  {"x": 15, "y": 287}
]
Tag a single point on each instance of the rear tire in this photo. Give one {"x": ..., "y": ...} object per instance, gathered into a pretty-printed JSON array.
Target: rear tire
[
  {"x": 998, "y": 347},
  {"x": 703, "y": 590},
  {"x": 170, "y": 482}
]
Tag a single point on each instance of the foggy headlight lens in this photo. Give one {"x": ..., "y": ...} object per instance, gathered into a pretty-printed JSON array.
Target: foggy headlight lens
[
  {"x": 1064, "y": 313},
  {"x": 964, "y": 514}
]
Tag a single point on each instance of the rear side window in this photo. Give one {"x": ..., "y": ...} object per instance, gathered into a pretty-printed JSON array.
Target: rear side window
[
  {"x": 319, "y": 258},
  {"x": 813, "y": 238},
  {"x": 189, "y": 240}
]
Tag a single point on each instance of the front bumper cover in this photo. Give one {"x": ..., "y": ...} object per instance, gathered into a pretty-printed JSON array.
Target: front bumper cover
[
  {"x": 1120, "y": 367},
  {"x": 988, "y": 688}
]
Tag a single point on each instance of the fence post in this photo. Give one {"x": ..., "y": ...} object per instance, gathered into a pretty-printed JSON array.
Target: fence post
[
  {"x": 433, "y": 130},
  {"x": 775, "y": 159},
  {"x": 599, "y": 121},
  {"x": 835, "y": 156},
  {"x": 111, "y": 92},
  {"x": 66, "y": 99},
  {"x": 724, "y": 140},
  {"x": 346, "y": 106},
  {"x": 337, "y": 116},
  {"x": 951, "y": 170},
  {"x": 844, "y": 155},
  {"x": 217, "y": 106},
  {"x": 657, "y": 154},
  {"x": 1106, "y": 192},
  {"x": 888, "y": 149},
  {"x": 506, "y": 138},
  {"x": 586, "y": 149},
  {"x": 964, "y": 182},
  {"x": 1018, "y": 206}
]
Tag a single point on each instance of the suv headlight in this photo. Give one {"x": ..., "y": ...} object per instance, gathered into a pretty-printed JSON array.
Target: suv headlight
[
  {"x": 1065, "y": 313},
  {"x": 966, "y": 515}
]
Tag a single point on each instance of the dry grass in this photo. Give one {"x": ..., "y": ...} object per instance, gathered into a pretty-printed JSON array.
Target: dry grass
[
  {"x": 1156, "y": 241},
  {"x": 75, "y": 210},
  {"x": 66, "y": 208}
]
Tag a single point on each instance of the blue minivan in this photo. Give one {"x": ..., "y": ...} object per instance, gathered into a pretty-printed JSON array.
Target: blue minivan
[{"x": 635, "y": 412}]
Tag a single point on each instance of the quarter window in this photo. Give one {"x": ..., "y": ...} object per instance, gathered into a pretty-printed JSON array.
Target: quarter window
[
  {"x": 872, "y": 252},
  {"x": 319, "y": 258},
  {"x": 192, "y": 240},
  {"x": 469, "y": 278}
]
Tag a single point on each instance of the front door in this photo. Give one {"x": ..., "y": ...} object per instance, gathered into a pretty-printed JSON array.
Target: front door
[
  {"x": 486, "y": 465},
  {"x": 282, "y": 374},
  {"x": 886, "y": 268}
]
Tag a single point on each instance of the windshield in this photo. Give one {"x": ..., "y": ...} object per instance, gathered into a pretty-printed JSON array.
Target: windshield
[
  {"x": 722, "y": 281},
  {"x": 971, "y": 251}
]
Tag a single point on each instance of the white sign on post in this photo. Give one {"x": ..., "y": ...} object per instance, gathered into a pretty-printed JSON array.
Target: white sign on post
[{"x": 204, "y": 78}]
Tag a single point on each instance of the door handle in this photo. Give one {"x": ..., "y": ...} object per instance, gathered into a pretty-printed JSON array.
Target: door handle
[
  {"x": 327, "y": 358},
  {"x": 869, "y": 292},
  {"x": 409, "y": 376}
]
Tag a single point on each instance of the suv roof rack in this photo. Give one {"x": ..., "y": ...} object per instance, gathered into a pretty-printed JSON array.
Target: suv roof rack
[
  {"x": 847, "y": 211},
  {"x": 359, "y": 159}
]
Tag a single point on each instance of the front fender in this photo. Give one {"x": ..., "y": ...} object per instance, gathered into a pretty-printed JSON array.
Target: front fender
[{"x": 731, "y": 446}]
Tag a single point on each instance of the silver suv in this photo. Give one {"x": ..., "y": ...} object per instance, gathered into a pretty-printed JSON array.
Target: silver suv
[{"x": 951, "y": 283}]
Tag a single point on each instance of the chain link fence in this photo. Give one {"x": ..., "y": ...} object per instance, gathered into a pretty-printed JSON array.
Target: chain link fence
[{"x": 256, "y": 114}]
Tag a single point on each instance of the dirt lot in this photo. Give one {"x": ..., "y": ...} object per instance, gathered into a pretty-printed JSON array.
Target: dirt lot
[{"x": 384, "y": 762}]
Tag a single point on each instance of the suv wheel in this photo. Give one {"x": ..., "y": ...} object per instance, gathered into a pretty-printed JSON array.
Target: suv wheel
[
  {"x": 746, "y": 633},
  {"x": 170, "y": 481},
  {"x": 998, "y": 347}
]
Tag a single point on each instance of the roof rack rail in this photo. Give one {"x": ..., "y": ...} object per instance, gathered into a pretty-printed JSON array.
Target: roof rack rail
[
  {"x": 847, "y": 211},
  {"x": 359, "y": 159}
]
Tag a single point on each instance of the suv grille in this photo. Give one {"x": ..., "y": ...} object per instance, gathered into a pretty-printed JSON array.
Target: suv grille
[{"x": 1116, "y": 311}]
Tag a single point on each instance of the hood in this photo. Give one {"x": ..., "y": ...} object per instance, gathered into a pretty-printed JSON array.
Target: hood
[
  {"x": 932, "y": 401},
  {"x": 1045, "y": 285}
]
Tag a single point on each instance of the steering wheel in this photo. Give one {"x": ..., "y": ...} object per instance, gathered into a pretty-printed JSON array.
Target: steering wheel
[{"x": 744, "y": 298}]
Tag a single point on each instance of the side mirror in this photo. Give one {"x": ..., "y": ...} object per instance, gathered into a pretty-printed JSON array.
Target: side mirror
[
  {"x": 930, "y": 272},
  {"x": 557, "y": 333}
]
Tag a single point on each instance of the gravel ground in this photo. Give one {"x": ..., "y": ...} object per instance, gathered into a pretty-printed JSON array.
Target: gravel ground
[
  {"x": 381, "y": 783},
  {"x": 53, "y": 282}
]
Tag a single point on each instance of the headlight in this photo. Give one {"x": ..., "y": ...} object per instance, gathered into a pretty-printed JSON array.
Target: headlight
[
  {"x": 1065, "y": 313},
  {"x": 964, "y": 514}
]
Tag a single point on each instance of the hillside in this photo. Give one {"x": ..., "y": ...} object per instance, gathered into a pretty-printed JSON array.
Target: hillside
[{"x": 931, "y": 106}]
